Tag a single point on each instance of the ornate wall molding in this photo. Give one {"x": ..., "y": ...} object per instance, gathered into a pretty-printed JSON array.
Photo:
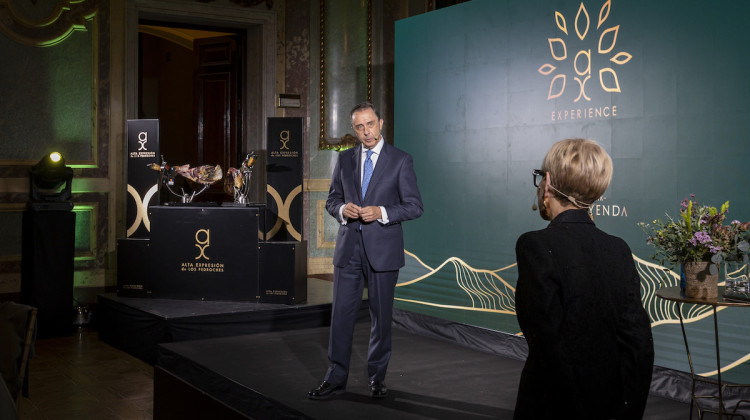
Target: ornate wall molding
[
  {"x": 332, "y": 102},
  {"x": 67, "y": 17},
  {"x": 48, "y": 24}
]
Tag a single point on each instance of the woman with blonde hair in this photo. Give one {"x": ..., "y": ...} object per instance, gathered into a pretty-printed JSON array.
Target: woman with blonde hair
[{"x": 578, "y": 300}]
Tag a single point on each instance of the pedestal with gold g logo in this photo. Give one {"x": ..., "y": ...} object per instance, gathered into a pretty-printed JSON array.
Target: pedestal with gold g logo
[{"x": 207, "y": 253}]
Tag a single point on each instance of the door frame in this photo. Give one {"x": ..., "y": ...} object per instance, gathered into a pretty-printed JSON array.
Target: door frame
[{"x": 258, "y": 78}]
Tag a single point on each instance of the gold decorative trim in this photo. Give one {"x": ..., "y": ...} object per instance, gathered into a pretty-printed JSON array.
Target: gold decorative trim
[
  {"x": 320, "y": 265},
  {"x": 347, "y": 140},
  {"x": 68, "y": 17},
  {"x": 317, "y": 185},
  {"x": 321, "y": 227}
]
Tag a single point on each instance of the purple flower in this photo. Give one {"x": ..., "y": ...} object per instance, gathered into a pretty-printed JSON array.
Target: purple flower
[
  {"x": 714, "y": 249},
  {"x": 700, "y": 237}
]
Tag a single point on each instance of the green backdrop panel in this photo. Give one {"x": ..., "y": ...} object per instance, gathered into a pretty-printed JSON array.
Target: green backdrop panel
[{"x": 483, "y": 89}]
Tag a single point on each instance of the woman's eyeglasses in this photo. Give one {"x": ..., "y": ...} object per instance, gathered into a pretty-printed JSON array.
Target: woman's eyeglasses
[{"x": 538, "y": 175}]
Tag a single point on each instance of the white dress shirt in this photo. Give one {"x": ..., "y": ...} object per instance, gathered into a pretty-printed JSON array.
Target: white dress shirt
[{"x": 374, "y": 158}]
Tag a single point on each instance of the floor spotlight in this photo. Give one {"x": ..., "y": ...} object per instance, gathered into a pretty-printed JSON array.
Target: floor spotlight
[{"x": 51, "y": 180}]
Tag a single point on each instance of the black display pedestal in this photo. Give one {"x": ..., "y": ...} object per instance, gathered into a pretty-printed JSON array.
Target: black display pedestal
[
  {"x": 47, "y": 266},
  {"x": 135, "y": 267},
  {"x": 204, "y": 253},
  {"x": 283, "y": 272}
]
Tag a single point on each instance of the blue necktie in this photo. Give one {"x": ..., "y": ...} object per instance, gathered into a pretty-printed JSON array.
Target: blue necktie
[{"x": 367, "y": 174}]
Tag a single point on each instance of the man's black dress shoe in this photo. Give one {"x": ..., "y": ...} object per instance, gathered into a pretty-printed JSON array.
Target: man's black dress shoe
[
  {"x": 378, "y": 389},
  {"x": 324, "y": 390}
]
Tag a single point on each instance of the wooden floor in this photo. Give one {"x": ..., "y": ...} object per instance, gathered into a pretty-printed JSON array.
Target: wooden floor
[{"x": 79, "y": 377}]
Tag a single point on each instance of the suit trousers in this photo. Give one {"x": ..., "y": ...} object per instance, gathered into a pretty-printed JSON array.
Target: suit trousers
[{"x": 348, "y": 285}]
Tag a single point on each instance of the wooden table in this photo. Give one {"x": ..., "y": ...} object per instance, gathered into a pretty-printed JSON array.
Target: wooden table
[{"x": 675, "y": 294}]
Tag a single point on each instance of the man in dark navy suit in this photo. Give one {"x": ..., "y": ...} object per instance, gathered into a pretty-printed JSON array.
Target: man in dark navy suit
[{"x": 373, "y": 190}]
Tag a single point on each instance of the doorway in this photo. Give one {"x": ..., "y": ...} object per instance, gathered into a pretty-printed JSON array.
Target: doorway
[
  {"x": 189, "y": 79},
  {"x": 256, "y": 93}
]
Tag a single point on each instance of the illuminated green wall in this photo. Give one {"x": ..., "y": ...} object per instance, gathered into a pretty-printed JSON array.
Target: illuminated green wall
[
  {"x": 48, "y": 105},
  {"x": 479, "y": 99},
  {"x": 54, "y": 96}
]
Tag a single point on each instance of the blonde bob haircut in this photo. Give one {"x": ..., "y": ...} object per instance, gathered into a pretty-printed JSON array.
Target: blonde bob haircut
[{"x": 580, "y": 170}]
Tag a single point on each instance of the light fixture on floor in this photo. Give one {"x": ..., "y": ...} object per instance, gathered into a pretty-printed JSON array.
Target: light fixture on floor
[{"x": 50, "y": 179}]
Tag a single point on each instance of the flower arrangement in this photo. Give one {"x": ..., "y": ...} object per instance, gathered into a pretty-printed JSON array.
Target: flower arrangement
[{"x": 699, "y": 234}]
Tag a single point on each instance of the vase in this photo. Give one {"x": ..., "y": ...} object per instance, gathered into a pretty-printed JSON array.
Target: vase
[
  {"x": 735, "y": 276},
  {"x": 699, "y": 282}
]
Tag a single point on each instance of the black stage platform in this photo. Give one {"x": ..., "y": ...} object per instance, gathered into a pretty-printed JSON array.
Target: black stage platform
[
  {"x": 266, "y": 376},
  {"x": 240, "y": 360},
  {"x": 137, "y": 325}
]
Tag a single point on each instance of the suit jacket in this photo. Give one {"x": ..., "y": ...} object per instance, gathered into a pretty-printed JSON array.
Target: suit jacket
[
  {"x": 578, "y": 304},
  {"x": 394, "y": 186}
]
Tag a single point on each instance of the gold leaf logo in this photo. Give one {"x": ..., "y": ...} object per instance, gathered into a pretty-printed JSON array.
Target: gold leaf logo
[{"x": 579, "y": 68}]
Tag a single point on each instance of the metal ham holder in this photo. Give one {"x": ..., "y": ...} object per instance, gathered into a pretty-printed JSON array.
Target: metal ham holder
[
  {"x": 199, "y": 178},
  {"x": 237, "y": 180}
]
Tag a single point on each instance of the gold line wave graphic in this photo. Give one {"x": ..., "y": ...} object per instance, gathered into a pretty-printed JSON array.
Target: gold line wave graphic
[{"x": 487, "y": 290}]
